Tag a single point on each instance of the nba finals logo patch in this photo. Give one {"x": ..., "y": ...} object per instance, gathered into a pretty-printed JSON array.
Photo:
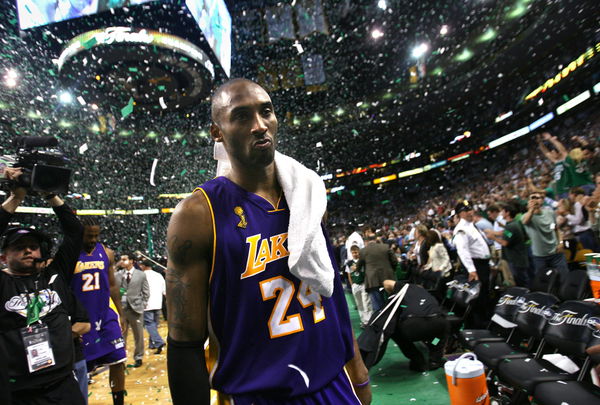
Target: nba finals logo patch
[{"x": 239, "y": 211}]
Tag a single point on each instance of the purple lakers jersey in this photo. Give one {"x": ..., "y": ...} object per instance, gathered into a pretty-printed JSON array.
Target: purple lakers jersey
[
  {"x": 269, "y": 331},
  {"x": 90, "y": 285}
]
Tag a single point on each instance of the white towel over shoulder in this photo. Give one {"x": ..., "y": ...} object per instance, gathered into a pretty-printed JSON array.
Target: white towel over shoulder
[
  {"x": 306, "y": 197},
  {"x": 305, "y": 193}
]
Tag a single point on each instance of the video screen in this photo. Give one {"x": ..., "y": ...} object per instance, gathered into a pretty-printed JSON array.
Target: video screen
[
  {"x": 215, "y": 22},
  {"x": 33, "y": 13}
]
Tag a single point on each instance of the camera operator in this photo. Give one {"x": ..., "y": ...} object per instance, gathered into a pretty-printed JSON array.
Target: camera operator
[{"x": 34, "y": 305}]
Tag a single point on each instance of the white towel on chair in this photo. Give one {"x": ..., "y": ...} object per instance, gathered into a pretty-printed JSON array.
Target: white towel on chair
[{"x": 305, "y": 194}]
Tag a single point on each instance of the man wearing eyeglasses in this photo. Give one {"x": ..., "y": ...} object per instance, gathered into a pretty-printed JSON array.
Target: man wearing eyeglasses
[{"x": 540, "y": 225}]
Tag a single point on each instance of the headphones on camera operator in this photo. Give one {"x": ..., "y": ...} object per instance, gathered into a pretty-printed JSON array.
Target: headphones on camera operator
[{"x": 11, "y": 235}]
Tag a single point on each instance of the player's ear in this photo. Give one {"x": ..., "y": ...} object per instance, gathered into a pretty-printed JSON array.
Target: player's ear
[{"x": 215, "y": 133}]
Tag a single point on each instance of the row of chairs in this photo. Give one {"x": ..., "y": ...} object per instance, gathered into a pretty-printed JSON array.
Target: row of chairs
[{"x": 525, "y": 326}]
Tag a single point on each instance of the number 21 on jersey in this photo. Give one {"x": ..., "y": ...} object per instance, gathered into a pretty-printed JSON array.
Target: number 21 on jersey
[
  {"x": 91, "y": 281},
  {"x": 280, "y": 288}
]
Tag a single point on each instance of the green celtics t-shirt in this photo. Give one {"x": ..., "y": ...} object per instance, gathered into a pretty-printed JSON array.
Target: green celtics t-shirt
[
  {"x": 580, "y": 174},
  {"x": 516, "y": 251}
]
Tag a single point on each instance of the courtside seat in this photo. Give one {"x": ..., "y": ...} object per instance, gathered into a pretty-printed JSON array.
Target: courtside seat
[
  {"x": 545, "y": 281},
  {"x": 525, "y": 374},
  {"x": 575, "y": 287},
  {"x": 531, "y": 319},
  {"x": 566, "y": 392},
  {"x": 502, "y": 321},
  {"x": 569, "y": 332}
]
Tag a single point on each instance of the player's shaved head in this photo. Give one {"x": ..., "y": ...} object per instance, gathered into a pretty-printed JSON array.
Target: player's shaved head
[{"x": 219, "y": 99}]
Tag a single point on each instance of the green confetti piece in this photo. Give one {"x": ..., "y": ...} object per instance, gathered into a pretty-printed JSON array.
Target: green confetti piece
[
  {"x": 90, "y": 43},
  {"x": 202, "y": 171},
  {"x": 435, "y": 341},
  {"x": 51, "y": 72},
  {"x": 97, "y": 340},
  {"x": 128, "y": 109},
  {"x": 161, "y": 87},
  {"x": 133, "y": 69},
  {"x": 184, "y": 171}
]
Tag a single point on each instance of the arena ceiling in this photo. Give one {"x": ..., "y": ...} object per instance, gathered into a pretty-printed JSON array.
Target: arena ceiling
[{"x": 481, "y": 58}]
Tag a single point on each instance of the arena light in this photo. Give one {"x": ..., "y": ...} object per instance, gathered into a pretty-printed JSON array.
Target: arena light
[
  {"x": 178, "y": 195},
  {"x": 11, "y": 78},
  {"x": 460, "y": 156},
  {"x": 409, "y": 173},
  {"x": 573, "y": 102},
  {"x": 326, "y": 177},
  {"x": 149, "y": 211},
  {"x": 167, "y": 210},
  {"x": 336, "y": 189},
  {"x": 420, "y": 50},
  {"x": 504, "y": 116},
  {"x": 65, "y": 97},
  {"x": 464, "y": 56},
  {"x": 376, "y": 33},
  {"x": 509, "y": 137},
  {"x": 91, "y": 212},
  {"x": 518, "y": 11},
  {"x": 385, "y": 179},
  {"x": 444, "y": 30},
  {"x": 488, "y": 35},
  {"x": 538, "y": 123},
  {"x": 34, "y": 210},
  {"x": 382, "y": 4}
]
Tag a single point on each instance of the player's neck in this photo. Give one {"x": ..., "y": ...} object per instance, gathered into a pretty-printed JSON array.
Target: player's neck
[{"x": 261, "y": 181}]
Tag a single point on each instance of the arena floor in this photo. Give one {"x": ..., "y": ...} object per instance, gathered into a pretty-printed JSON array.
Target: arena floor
[{"x": 392, "y": 382}]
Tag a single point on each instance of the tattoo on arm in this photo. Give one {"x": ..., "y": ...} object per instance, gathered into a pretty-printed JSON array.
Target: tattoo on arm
[
  {"x": 178, "y": 286},
  {"x": 180, "y": 251}
]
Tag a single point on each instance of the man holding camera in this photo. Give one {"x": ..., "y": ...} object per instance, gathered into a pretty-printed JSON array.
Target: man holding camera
[{"x": 34, "y": 313}]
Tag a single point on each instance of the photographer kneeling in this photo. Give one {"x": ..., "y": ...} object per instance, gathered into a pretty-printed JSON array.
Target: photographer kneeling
[
  {"x": 420, "y": 319},
  {"x": 34, "y": 315}
]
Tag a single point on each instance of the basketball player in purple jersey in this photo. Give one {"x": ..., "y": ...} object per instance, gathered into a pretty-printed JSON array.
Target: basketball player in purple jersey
[
  {"x": 272, "y": 339},
  {"x": 95, "y": 286}
]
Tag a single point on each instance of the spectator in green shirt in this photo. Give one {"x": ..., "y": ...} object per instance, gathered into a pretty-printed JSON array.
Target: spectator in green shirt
[
  {"x": 540, "y": 225},
  {"x": 514, "y": 248}
]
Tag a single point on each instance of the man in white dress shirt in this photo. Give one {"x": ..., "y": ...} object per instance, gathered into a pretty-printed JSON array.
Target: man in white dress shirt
[
  {"x": 474, "y": 253},
  {"x": 156, "y": 282}
]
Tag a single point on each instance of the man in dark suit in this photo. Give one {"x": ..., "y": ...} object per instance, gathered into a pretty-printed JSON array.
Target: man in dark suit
[
  {"x": 379, "y": 262},
  {"x": 135, "y": 293}
]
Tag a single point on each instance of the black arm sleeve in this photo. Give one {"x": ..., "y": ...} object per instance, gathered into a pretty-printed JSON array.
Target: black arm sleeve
[
  {"x": 68, "y": 252},
  {"x": 188, "y": 376}
]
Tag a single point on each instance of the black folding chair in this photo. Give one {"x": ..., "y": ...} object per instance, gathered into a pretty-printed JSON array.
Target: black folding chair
[
  {"x": 501, "y": 325},
  {"x": 569, "y": 332}
]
